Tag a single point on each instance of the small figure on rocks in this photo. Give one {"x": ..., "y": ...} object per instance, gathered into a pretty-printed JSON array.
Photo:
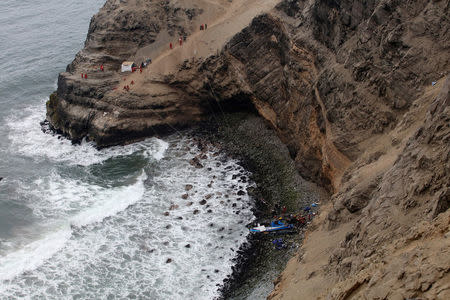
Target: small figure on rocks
[
  {"x": 181, "y": 41},
  {"x": 170, "y": 45},
  {"x": 206, "y": 26},
  {"x": 82, "y": 75},
  {"x": 1, "y": 178},
  {"x": 201, "y": 27},
  {"x": 85, "y": 76},
  {"x": 279, "y": 244},
  {"x": 101, "y": 68}
]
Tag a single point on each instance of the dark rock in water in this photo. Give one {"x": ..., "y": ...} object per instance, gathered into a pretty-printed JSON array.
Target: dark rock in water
[
  {"x": 196, "y": 212},
  {"x": 203, "y": 202},
  {"x": 241, "y": 193},
  {"x": 1, "y": 178},
  {"x": 184, "y": 196},
  {"x": 188, "y": 187},
  {"x": 234, "y": 205},
  {"x": 179, "y": 218},
  {"x": 190, "y": 203},
  {"x": 209, "y": 211},
  {"x": 208, "y": 196},
  {"x": 216, "y": 271},
  {"x": 169, "y": 260},
  {"x": 211, "y": 224},
  {"x": 196, "y": 163},
  {"x": 209, "y": 169},
  {"x": 188, "y": 246},
  {"x": 173, "y": 206},
  {"x": 168, "y": 226},
  {"x": 166, "y": 213},
  {"x": 166, "y": 243}
]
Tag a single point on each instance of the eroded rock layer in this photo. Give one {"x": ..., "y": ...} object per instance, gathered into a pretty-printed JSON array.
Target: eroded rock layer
[{"x": 357, "y": 90}]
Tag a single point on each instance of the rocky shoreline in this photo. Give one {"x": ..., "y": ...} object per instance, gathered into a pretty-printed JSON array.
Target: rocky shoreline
[{"x": 247, "y": 137}]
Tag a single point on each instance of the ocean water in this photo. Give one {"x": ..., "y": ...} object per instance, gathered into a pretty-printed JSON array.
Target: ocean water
[{"x": 79, "y": 223}]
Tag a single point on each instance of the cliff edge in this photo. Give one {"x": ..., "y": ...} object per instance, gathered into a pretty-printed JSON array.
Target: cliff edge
[{"x": 357, "y": 90}]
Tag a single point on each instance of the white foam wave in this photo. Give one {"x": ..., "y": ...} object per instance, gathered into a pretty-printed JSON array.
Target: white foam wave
[
  {"x": 104, "y": 203},
  {"x": 55, "y": 197},
  {"x": 159, "y": 154},
  {"x": 113, "y": 202},
  {"x": 34, "y": 254},
  {"x": 28, "y": 139}
]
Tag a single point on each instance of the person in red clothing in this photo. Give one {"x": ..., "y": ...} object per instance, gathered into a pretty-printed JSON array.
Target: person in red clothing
[
  {"x": 181, "y": 41},
  {"x": 82, "y": 76},
  {"x": 101, "y": 68},
  {"x": 170, "y": 45},
  {"x": 85, "y": 76}
]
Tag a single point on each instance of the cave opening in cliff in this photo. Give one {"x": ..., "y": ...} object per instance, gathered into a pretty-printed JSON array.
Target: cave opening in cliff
[{"x": 238, "y": 103}]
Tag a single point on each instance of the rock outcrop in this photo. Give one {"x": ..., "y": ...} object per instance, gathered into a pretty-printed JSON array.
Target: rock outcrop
[{"x": 357, "y": 90}]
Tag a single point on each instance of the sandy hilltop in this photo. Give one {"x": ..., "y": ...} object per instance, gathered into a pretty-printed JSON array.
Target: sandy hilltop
[{"x": 358, "y": 91}]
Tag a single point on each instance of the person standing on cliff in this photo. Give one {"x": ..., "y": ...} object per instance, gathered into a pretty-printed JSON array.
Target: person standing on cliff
[
  {"x": 206, "y": 26},
  {"x": 181, "y": 41},
  {"x": 170, "y": 45},
  {"x": 101, "y": 68}
]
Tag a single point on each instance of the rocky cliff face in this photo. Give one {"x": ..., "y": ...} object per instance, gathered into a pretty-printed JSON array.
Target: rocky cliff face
[{"x": 347, "y": 85}]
